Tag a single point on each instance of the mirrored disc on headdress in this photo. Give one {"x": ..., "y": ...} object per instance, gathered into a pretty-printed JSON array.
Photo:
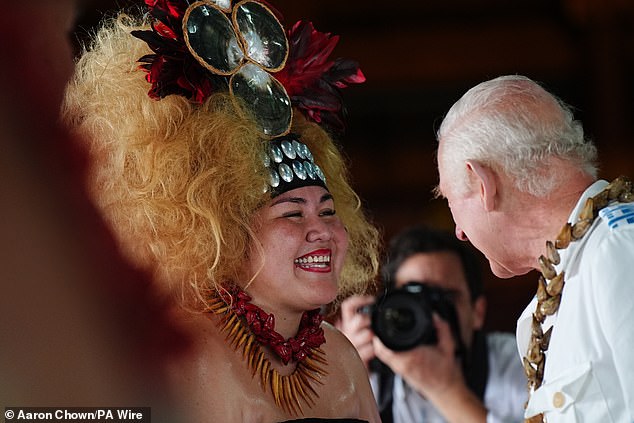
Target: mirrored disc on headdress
[
  {"x": 275, "y": 153},
  {"x": 319, "y": 173},
  {"x": 274, "y": 178},
  {"x": 287, "y": 148},
  {"x": 310, "y": 169},
  {"x": 299, "y": 170},
  {"x": 286, "y": 173},
  {"x": 210, "y": 38},
  {"x": 224, "y": 5},
  {"x": 300, "y": 149},
  {"x": 261, "y": 34},
  {"x": 265, "y": 97},
  {"x": 266, "y": 160}
]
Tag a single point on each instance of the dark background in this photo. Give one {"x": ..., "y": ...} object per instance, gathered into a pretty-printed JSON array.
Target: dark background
[{"x": 420, "y": 56}]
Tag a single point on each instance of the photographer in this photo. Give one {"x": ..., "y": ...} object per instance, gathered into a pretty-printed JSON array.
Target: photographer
[{"x": 463, "y": 375}]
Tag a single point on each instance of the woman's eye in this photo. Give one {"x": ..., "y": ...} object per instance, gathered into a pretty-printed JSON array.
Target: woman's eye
[
  {"x": 292, "y": 214},
  {"x": 328, "y": 212}
]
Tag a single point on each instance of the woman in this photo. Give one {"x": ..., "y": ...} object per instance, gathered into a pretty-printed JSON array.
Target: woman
[{"x": 254, "y": 227}]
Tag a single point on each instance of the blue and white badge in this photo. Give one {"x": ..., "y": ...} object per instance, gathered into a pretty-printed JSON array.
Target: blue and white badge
[{"x": 618, "y": 216}]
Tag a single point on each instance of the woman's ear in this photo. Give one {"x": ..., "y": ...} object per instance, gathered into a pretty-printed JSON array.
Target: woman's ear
[{"x": 486, "y": 179}]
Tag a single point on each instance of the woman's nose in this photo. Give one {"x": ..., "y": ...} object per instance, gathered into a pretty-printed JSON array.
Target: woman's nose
[{"x": 319, "y": 231}]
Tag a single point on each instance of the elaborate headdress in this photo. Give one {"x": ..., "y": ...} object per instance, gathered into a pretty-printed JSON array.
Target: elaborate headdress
[{"x": 210, "y": 46}]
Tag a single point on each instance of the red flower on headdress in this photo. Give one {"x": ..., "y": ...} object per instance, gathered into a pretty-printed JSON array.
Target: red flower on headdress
[
  {"x": 173, "y": 8},
  {"x": 312, "y": 81}
]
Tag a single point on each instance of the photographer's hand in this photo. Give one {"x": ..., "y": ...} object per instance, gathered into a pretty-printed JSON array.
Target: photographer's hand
[
  {"x": 356, "y": 325},
  {"x": 436, "y": 374}
]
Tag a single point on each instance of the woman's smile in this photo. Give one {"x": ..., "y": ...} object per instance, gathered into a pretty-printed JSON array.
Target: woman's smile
[{"x": 315, "y": 261}]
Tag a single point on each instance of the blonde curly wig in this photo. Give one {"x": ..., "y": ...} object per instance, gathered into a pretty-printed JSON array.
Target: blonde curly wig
[{"x": 180, "y": 182}]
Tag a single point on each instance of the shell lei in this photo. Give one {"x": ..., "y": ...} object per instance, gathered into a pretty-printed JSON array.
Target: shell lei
[
  {"x": 290, "y": 392},
  {"x": 550, "y": 284}
]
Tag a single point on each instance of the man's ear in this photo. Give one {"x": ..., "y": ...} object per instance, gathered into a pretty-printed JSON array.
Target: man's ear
[{"x": 485, "y": 178}]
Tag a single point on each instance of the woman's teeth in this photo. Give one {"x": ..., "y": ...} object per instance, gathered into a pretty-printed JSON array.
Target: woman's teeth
[{"x": 312, "y": 260}]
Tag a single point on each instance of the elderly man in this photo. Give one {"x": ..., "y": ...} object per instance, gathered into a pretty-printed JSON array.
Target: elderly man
[{"x": 520, "y": 180}]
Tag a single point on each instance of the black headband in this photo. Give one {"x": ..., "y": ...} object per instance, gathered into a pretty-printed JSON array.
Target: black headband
[{"x": 291, "y": 165}]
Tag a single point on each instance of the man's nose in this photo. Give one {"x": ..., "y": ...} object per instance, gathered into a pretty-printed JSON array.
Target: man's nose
[{"x": 460, "y": 234}]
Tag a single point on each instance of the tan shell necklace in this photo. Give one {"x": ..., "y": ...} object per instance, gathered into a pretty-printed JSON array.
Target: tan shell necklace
[
  {"x": 550, "y": 284},
  {"x": 290, "y": 392}
]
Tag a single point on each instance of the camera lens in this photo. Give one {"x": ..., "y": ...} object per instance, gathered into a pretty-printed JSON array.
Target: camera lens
[{"x": 401, "y": 321}]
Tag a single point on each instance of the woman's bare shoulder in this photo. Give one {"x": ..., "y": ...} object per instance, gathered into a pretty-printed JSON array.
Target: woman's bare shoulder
[
  {"x": 349, "y": 378},
  {"x": 342, "y": 355},
  {"x": 335, "y": 340}
]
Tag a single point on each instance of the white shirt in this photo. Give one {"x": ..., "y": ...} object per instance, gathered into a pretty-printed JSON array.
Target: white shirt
[
  {"x": 504, "y": 396},
  {"x": 589, "y": 371}
]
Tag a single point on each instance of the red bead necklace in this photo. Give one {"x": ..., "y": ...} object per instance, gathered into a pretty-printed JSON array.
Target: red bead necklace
[{"x": 309, "y": 336}]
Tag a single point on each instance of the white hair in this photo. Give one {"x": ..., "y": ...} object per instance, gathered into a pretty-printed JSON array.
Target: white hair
[{"x": 511, "y": 124}]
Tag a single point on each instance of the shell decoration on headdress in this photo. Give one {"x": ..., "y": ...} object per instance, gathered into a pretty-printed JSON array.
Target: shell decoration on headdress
[{"x": 209, "y": 46}]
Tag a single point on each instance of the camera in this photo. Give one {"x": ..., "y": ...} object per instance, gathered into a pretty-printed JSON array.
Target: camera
[{"x": 402, "y": 317}]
